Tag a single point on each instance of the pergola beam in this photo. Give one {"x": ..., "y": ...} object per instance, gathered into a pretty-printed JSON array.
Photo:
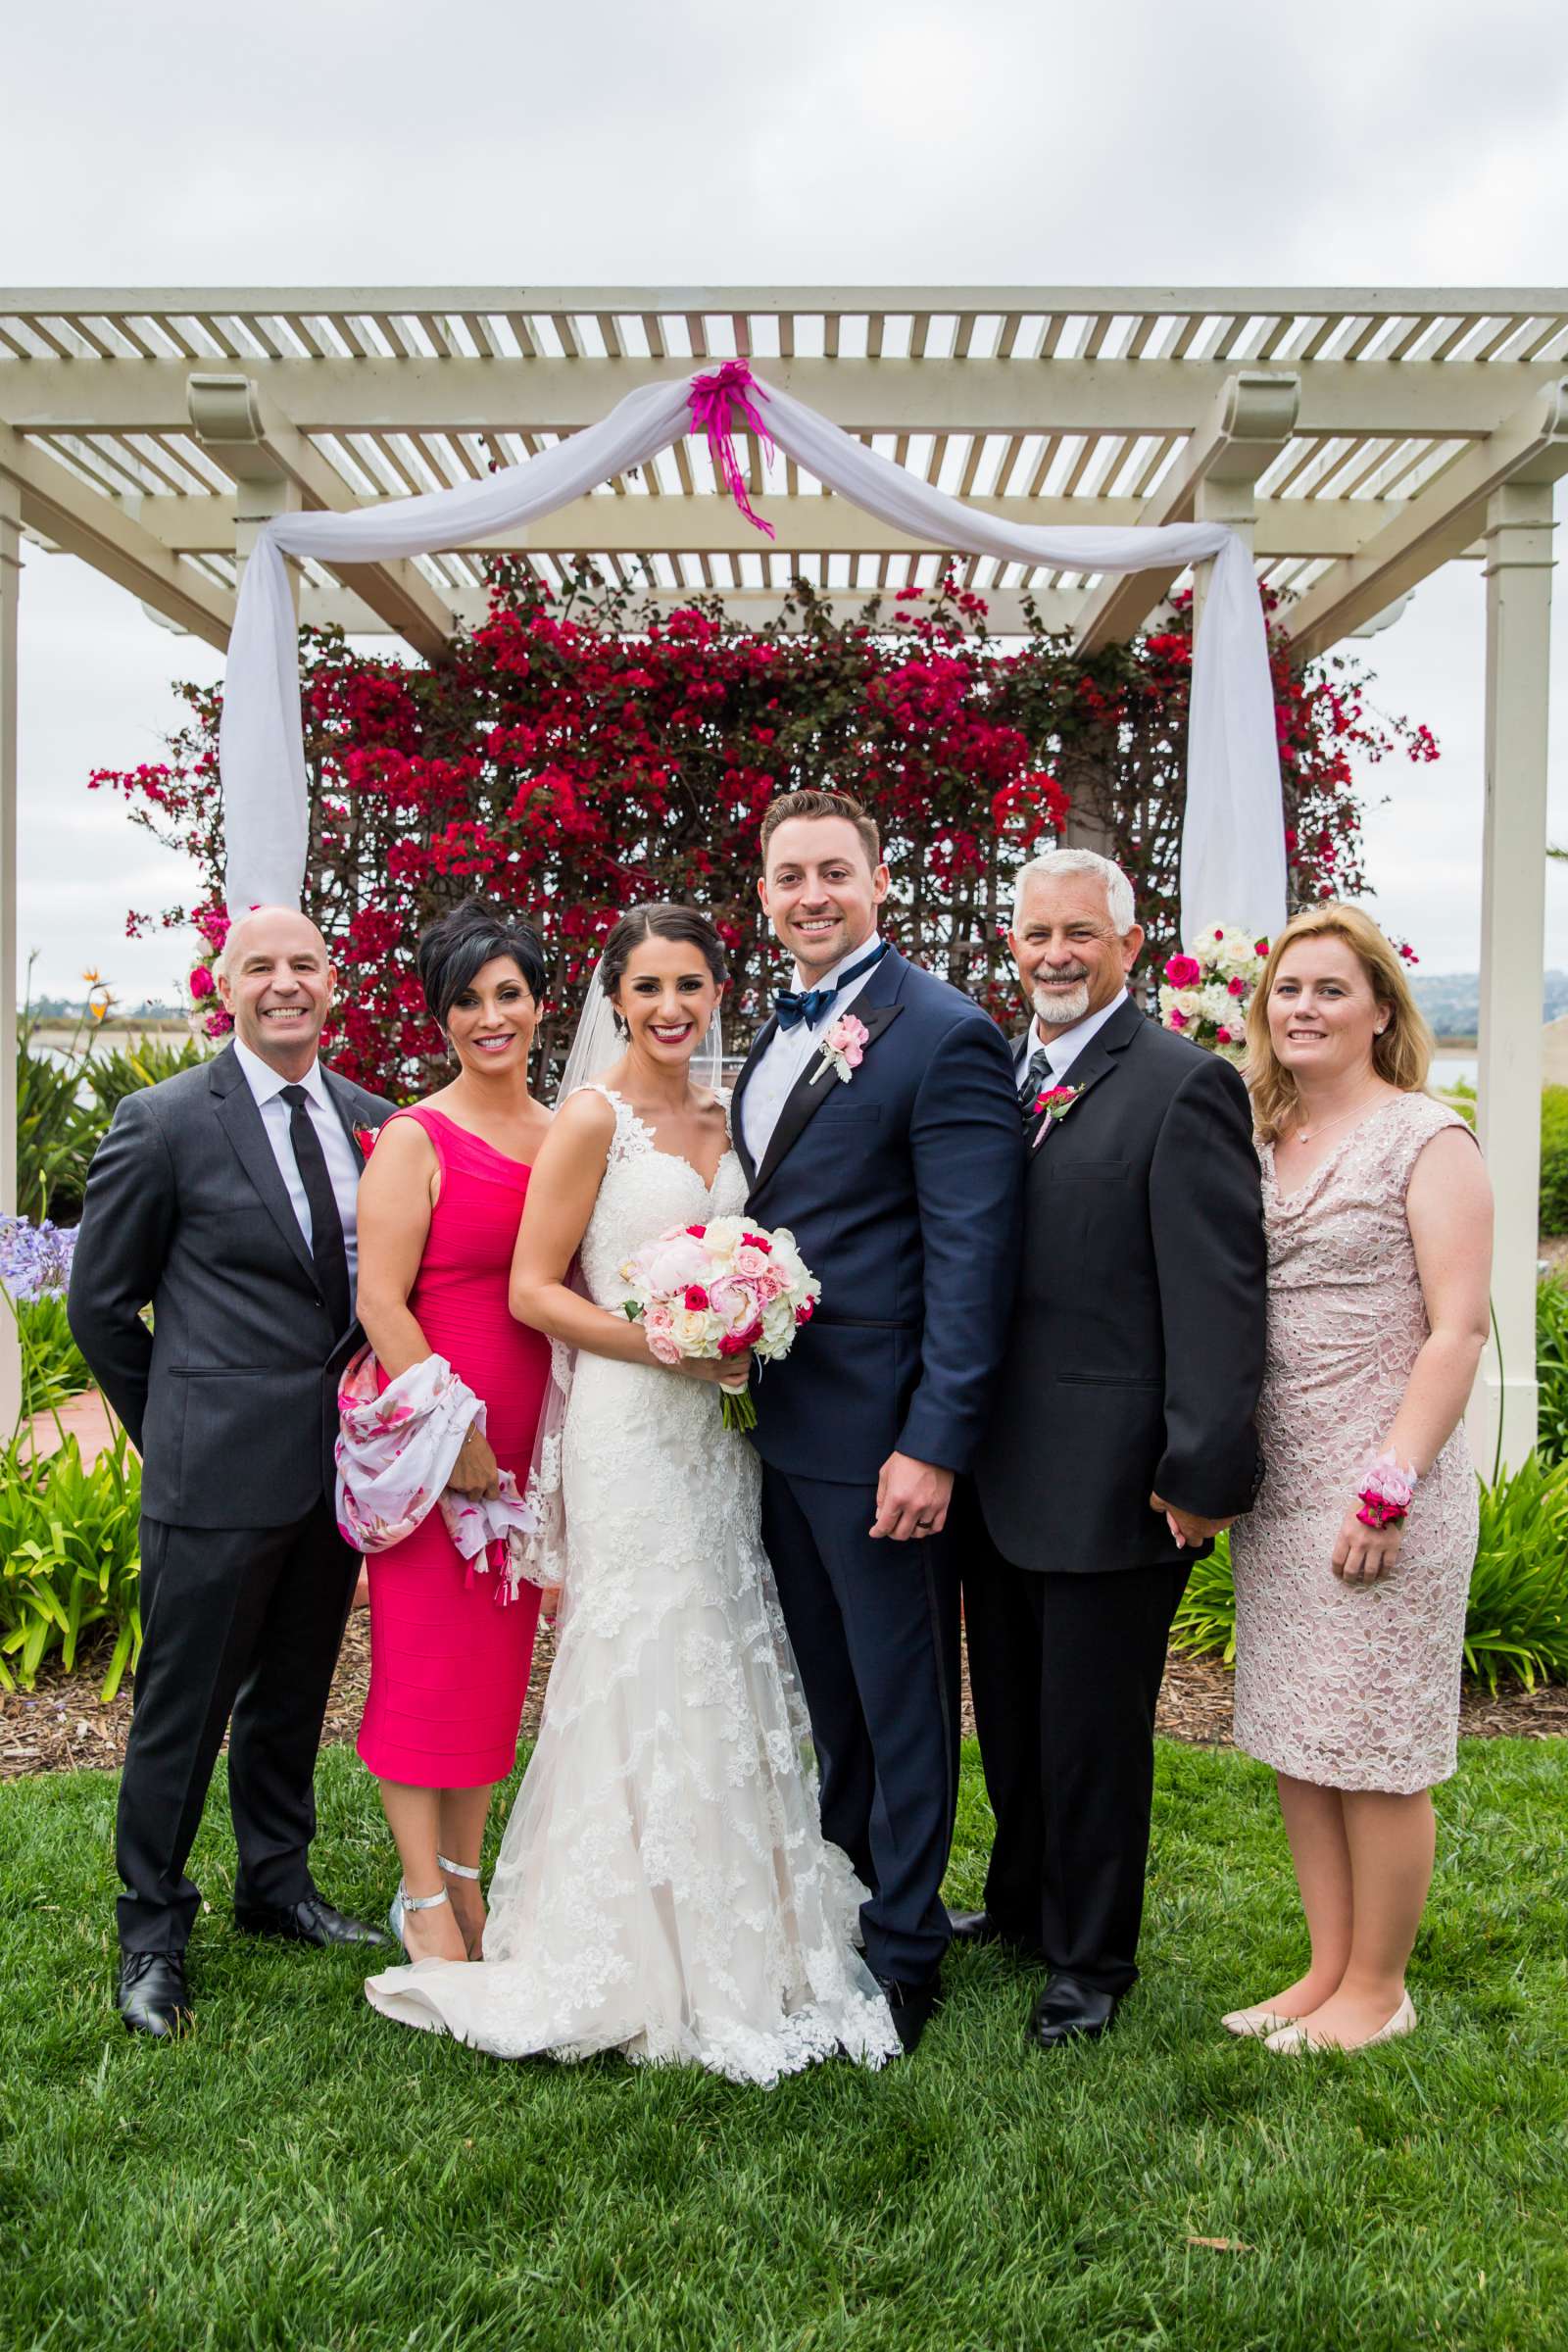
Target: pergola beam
[
  {"x": 816, "y": 300},
  {"x": 245, "y": 433},
  {"x": 1459, "y": 398},
  {"x": 1058, "y": 608},
  {"x": 62, "y": 509},
  {"x": 1297, "y": 528},
  {"x": 1248, "y": 423},
  {"x": 1529, "y": 448}
]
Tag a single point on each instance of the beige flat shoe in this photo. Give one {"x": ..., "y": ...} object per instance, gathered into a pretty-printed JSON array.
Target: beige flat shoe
[
  {"x": 1291, "y": 2039},
  {"x": 1254, "y": 2024}
]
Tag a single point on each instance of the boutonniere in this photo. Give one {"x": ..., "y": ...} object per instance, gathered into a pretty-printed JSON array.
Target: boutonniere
[
  {"x": 366, "y": 1138},
  {"x": 843, "y": 1049},
  {"x": 1051, "y": 1108}
]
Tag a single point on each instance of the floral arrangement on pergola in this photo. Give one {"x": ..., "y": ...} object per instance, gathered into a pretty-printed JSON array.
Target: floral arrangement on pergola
[{"x": 576, "y": 753}]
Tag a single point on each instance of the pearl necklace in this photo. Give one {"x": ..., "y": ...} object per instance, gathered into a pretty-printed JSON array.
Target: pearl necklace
[{"x": 1308, "y": 1134}]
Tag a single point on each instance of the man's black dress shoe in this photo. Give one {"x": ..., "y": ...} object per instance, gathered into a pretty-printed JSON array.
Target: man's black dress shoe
[
  {"x": 978, "y": 1927},
  {"x": 911, "y": 2006},
  {"x": 312, "y": 1920},
  {"x": 153, "y": 1996},
  {"x": 1069, "y": 2011}
]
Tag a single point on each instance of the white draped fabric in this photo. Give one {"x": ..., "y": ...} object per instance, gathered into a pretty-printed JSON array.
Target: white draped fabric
[{"x": 1232, "y": 847}]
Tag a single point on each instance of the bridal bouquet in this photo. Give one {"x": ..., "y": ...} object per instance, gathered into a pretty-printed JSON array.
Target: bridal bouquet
[
  {"x": 719, "y": 1290},
  {"x": 1206, "y": 995}
]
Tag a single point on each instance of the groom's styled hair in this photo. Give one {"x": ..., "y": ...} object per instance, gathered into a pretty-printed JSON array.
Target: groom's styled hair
[{"x": 814, "y": 804}]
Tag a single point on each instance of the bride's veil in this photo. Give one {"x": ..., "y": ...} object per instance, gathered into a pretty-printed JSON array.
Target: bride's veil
[{"x": 595, "y": 1048}]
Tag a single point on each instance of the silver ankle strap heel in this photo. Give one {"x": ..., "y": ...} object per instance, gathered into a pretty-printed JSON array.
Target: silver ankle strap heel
[
  {"x": 456, "y": 1870},
  {"x": 403, "y": 1903}
]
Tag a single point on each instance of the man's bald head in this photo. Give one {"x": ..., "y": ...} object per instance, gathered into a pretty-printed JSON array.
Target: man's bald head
[
  {"x": 268, "y": 923},
  {"x": 275, "y": 978}
]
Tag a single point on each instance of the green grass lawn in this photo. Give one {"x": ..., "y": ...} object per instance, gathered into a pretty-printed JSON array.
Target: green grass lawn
[{"x": 303, "y": 2174}]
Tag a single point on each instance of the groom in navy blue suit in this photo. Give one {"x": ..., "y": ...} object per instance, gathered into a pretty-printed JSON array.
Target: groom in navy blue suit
[{"x": 903, "y": 1187}]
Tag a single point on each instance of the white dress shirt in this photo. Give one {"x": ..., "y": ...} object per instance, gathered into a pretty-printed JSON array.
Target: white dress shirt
[
  {"x": 789, "y": 1051},
  {"x": 267, "y": 1087},
  {"x": 1063, "y": 1049}
]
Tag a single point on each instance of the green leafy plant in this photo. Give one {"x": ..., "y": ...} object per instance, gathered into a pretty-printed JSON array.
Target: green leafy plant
[
  {"x": 1555, "y": 1159},
  {"x": 1551, "y": 1369},
  {"x": 1517, "y": 1620},
  {"x": 53, "y": 1367},
  {"x": 1206, "y": 1621},
  {"x": 69, "y": 1559},
  {"x": 56, "y": 1133},
  {"x": 111, "y": 1077}
]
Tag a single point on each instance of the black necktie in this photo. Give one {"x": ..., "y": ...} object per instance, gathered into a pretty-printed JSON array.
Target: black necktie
[
  {"x": 327, "y": 1226},
  {"x": 1036, "y": 1077},
  {"x": 794, "y": 1006}
]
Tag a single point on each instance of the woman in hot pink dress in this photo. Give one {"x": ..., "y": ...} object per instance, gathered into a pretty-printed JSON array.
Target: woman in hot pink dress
[{"x": 440, "y": 1204}]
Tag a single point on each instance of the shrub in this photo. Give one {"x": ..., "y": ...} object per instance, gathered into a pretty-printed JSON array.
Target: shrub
[
  {"x": 113, "y": 1076},
  {"x": 1206, "y": 1621},
  {"x": 69, "y": 1559},
  {"x": 1517, "y": 1622},
  {"x": 53, "y": 1367},
  {"x": 576, "y": 753},
  {"x": 63, "y": 1106},
  {"x": 1517, "y": 1619},
  {"x": 1555, "y": 1159},
  {"x": 57, "y": 1135},
  {"x": 35, "y": 1270},
  {"x": 1552, "y": 1370}
]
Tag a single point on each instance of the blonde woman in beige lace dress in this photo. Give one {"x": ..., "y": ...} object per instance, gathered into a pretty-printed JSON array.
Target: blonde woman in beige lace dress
[{"x": 1349, "y": 1634}]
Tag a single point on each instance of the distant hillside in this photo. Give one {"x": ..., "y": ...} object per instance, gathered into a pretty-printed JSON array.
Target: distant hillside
[
  {"x": 1452, "y": 1001},
  {"x": 73, "y": 1008}
]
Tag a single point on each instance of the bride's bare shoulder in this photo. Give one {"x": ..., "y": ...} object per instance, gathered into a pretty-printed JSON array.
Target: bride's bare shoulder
[{"x": 583, "y": 1125}]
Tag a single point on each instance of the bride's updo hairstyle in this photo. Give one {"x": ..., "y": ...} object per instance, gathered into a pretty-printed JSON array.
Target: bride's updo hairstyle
[
  {"x": 662, "y": 920},
  {"x": 1402, "y": 1055},
  {"x": 453, "y": 952}
]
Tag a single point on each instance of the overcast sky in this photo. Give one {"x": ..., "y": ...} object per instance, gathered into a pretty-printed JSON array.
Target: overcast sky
[{"x": 340, "y": 143}]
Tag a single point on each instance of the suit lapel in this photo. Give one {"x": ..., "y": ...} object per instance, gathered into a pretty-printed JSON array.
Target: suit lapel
[
  {"x": 241, "y": 1122},
  {"x": 806, "y": 1098},
  {"x": 340, "y": 1095},
  {"x": 876, "y": 1005},
  {"x": 1099, "y": 1058},
  {"x": 737, "y": 1129}
]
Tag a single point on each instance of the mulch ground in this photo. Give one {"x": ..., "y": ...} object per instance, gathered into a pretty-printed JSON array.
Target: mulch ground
[{"x": 64, "y": 1723}]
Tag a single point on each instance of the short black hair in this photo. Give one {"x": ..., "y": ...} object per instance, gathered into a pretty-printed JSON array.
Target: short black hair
[
  {"x": 460, "y": 943},
  {"x": 662, "y": 920}
]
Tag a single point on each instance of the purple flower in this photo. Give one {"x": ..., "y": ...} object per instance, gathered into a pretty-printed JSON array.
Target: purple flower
[{"x": 36, "y": 1260}]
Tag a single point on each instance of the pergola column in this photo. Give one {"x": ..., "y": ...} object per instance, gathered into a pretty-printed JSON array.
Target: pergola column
[
  {"x": 9, "y": 586},
  {"x": 1518, "y": 575}
]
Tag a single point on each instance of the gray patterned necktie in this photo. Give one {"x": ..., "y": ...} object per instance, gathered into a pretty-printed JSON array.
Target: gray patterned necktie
[{"x": 1035, "y": 1079}]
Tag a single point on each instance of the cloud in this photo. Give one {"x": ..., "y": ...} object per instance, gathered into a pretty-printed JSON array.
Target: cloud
[{"x": 696, "y": 143}]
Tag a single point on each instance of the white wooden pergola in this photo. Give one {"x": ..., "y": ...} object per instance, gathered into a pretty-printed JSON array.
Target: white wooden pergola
[{"x": 1359, "y": 439}]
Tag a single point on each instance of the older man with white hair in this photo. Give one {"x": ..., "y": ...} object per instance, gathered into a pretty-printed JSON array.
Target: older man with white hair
[
  {"x": 224, "y": 1197},
  {"x": 1121, "y": 1439}
]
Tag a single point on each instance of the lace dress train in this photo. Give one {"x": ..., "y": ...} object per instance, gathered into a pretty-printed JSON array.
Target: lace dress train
[{"x": 665, "y": 1888}]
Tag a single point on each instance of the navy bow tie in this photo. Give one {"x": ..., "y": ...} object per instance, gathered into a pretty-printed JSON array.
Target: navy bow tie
[{"x": 794, "y": 1006}]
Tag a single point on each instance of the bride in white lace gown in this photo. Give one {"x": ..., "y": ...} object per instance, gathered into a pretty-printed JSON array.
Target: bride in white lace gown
[{"x": 663, "y": 1886}]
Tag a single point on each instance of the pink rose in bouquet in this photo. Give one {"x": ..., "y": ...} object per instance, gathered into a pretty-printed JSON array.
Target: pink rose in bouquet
[{"x": 710, "y": 1291}]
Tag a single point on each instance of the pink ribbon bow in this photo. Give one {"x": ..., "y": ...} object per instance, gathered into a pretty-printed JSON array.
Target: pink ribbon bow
[{"x": 712, "y": 401}]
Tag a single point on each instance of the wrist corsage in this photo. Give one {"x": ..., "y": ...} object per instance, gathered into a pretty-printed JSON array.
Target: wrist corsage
[{"x": 1385, "y": 1492}]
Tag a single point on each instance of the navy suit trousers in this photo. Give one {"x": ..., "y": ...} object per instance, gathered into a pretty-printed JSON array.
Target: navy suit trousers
[{"x": 875, "y": 1629}]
